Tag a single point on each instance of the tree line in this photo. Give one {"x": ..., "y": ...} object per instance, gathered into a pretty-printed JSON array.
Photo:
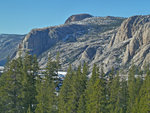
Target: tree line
[{"x": 24, "y": 90}]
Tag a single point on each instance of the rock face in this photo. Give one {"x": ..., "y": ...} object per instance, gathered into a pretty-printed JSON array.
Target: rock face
[
  {"x": 8, "y": 46},
  {"x": 40, "y": 40},
  {"x": 135, "y": 30},
  {"x": 107, "y": 41},
  {"x": 77, "y": 41},
  {"x": 77, "y": 17}
]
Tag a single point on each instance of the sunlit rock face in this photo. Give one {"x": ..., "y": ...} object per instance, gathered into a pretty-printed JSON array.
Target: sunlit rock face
[
  {"x": 107, "y": 41},
  {"x": 77, "y": 17}
]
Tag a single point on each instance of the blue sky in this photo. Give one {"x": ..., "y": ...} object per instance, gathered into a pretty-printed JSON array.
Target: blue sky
[{"x": 20, "y": 16}]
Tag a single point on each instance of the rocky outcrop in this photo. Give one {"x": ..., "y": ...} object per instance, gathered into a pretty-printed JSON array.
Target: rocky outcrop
[
  {"x": 136, "y": 29},
  {"x": 107, "y": 41},
  {"x": 40, "y": 40},
  {"x": 8, "y": 46},
  {"x": 130, "y": 27},
  {"x": 77, "y": 41},
  {"x": 77, "y": 17}
]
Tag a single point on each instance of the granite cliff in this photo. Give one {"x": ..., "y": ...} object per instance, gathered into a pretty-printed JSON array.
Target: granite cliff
[
  {"x": 135, "y": 31},
  {"x": 77, "y": 17},
  {"x": 107, "y": 41},
  {"x": 8, "y": 46}
]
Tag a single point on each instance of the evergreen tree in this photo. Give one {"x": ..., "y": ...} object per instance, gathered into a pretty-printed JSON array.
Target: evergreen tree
[
  {"x": 114, "y": 94},
  {"x": 65, "y": 91},
  {"x": 139, "y": 82},
  {"x": 24, "y": 90},
  {"x": 83, "y": 85},
  {"x": 131, "y": 87},
  {"x": 78, "y": 86},
  {"x": 134, "y": 85},
  {"x": 124, "y": 95},
  {"x": 96, "y": 93},
  {"x": 74, "y": 95},
  {"x": 10, "y": 88},
  {"x": 51, "y": 68},
  {"x": 29, "y": 74},
  {"x": 82, "y": 104},
  {"x": 29, "y": 110},
  {"x": 142, "y": 104},
  {"x": 84, "y": 78},
  {"x": 46, "y": 97}
]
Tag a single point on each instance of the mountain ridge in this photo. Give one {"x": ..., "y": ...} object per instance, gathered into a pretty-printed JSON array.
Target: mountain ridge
[
  {"x": 80, "y": 36},
  {"x": 110, "y": 42},
  {"x": 8, "y": 46}
]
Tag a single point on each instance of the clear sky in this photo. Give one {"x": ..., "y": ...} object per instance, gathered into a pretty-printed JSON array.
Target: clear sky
[{"x": 20, "y": 16}]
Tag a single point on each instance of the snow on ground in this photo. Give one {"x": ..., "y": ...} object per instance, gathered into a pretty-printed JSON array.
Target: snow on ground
[
  {"x": 62, "y": 72},
  {"x": 1, "y": 67}
]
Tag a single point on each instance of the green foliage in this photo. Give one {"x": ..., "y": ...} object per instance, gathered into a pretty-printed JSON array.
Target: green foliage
[
  {"x": 29, "y": 74},
  {"x": 65, "y": 91},
  {"x": 10, "y": 88},
  {"x": 45, "y": 87},
  {"x": 142, "y": 104},
  {"x": 96, "y": 93},
  {"x": 78, "y": 87},
  {"x": 24, "y": 90},
  {"x": 114, "y": 95},
  {"x": 51, "y": 68},
  {"x": 73, "y": 87},
  {"x": 82, "y": 104},
  {"x": 134, "y": 85},
  {"x": 29, "y": 110},
  {"x": 46, "y": 97}
]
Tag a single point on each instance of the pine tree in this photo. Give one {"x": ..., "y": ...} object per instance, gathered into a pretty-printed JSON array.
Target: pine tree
[
  {"x": 40, "y": 88},
  {"x": 134, "y": 85},
  {"x": 51, "y": 68},
  {"x": 89, "y": 89},
  {"x": 84, "y": 78},
  {"x": 97, "y": 99},
  {"x": 10, "y": 88},
  {"x": 78, "y": 86},
  {"x": 83, "y": 85},
  {"x": 74, "y": 95},
  {"x": 123, "y": 96},
  {"x": 65, "y": 91},
  {"x": 110, "y": 78},
  {"x": 46, "y": 97},
  {"x": 29, "y": 74},
  {"x": 131, "y": 87},
  {"x": 114, "y": 94},
  {"x": 29, "y": 110},
  {"x": 82, "y": 104},
  {"x": 139, "y": 82},
  {"x": 143, "y": 100},
  {"x": 96, "y": 93}
]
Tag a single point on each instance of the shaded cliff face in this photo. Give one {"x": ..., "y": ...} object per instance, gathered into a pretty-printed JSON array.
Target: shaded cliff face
[
  {"x": 40, "y": 40},
  {"x": 8, "y": 46},
  {"x": 77, "y": 17},
  {"x": 107, "y": 41}
]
